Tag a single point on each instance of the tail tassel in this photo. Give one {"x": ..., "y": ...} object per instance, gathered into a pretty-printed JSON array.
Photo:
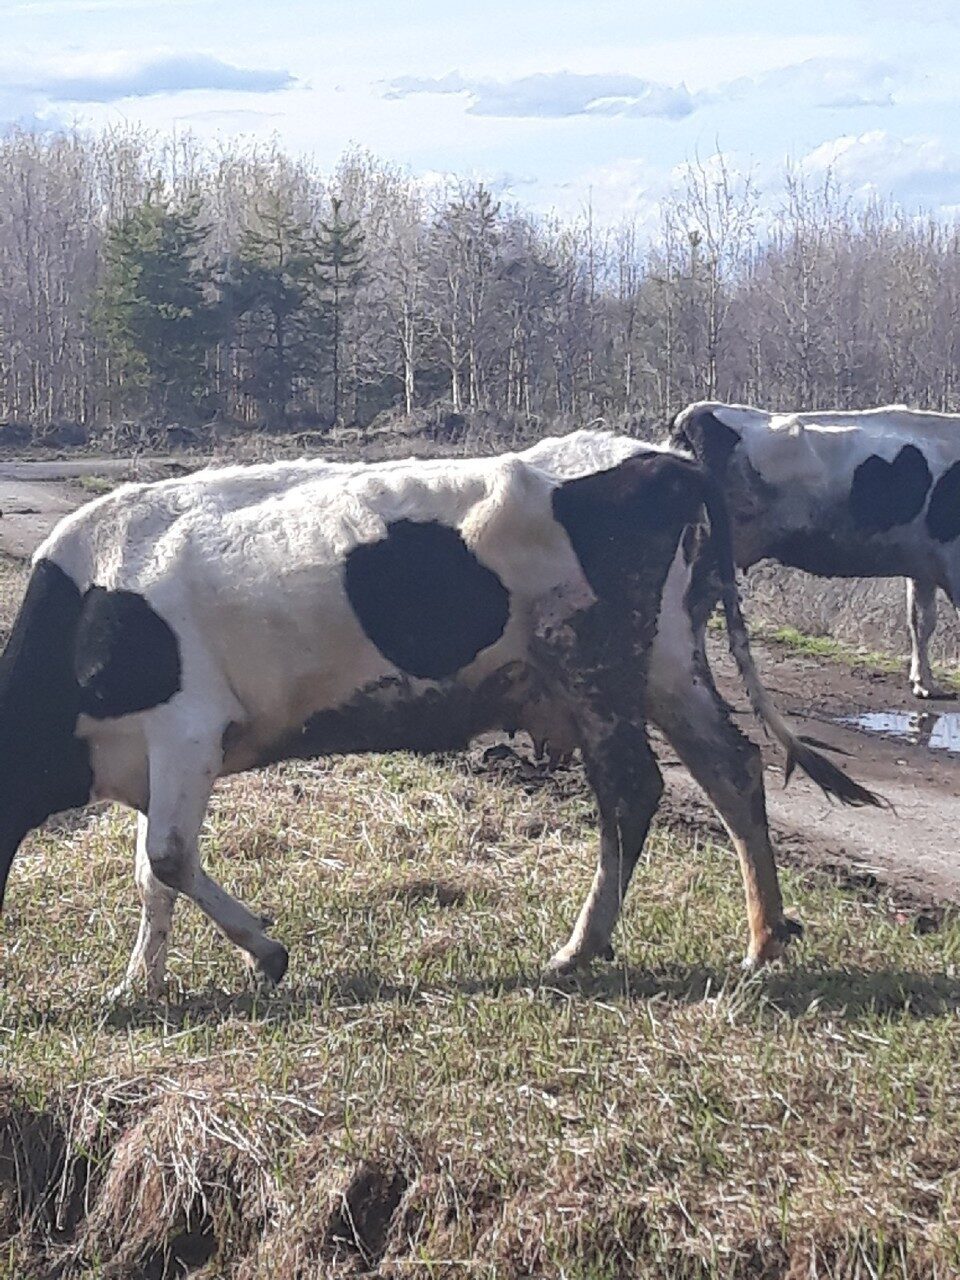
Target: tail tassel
[{"x": 831, "y": 780}]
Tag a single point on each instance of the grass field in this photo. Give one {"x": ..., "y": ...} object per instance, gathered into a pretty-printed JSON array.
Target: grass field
[
  {"x": 850, "y": 655},
  {"x": 415, "y": 1102}
]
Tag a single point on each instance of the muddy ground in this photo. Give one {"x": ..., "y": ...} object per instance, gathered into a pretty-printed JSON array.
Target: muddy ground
[{"x": 914, "y": 846}]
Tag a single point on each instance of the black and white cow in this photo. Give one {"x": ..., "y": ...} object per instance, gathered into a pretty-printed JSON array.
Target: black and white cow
[
  {"x": 175, "y": 632},
  {"x": 872, "y": 494}
]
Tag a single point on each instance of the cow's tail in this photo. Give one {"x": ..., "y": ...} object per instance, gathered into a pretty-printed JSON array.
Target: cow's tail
[{"x": 831, "y": 780}]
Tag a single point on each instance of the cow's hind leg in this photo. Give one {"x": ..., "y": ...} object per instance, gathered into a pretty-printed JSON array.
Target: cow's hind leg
[
  {"x": 627, "y": 782},
  {"x": 922, "y": 620},
  {"x": 593, "y": 660},
  {"x": 149, "y": 955},
  {"x": 729, "y": 767},
  {"x": 183, "y": 768}
]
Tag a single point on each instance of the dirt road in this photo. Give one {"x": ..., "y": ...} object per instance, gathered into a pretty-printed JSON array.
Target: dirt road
[
  {"x": 29, "y": 509},
  {"x": 35, "y": 495},
  {"x": 915, "y": 847}
]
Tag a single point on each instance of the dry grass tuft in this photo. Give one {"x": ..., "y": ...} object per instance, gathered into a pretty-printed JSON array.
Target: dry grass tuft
[{"x": 186, "y": 1178}]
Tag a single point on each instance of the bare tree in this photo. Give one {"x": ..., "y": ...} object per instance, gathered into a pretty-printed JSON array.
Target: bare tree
[{"x": 719, "y": 209}]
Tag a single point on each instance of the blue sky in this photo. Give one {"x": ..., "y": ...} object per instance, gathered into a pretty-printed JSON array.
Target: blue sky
[{"x": 555, "y": 102}]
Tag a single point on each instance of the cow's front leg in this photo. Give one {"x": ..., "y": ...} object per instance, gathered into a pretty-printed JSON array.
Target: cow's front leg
[
  {"x": 627, "y": 782},
  {"x": 149, "y": 956},
  {"x": 922, "y": 621},
  {"x": 183, "y": 769}
]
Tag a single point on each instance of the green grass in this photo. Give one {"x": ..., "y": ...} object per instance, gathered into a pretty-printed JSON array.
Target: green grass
[
  {"x": 97, "y": 485},
  {"x": 415, "y": 1098},
  {"x": 827, "y": 647},
  {"x": 836, "y": 650},
  {"x": 849, "y": 655}
]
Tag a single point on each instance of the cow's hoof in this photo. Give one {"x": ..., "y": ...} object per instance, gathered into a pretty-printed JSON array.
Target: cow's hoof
[
  {"x": 774, "y": 945},
  {"x": 788, "y": 929},
  {"x": 565, "y": 963},
  {"x": 273, "y": 965},
  {"x": 154, "y": 989},
  {"x": 925, "y": 692}
]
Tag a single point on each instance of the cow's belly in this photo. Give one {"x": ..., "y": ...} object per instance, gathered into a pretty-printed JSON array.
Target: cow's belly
[
  {"x": 842, "y": 554},
  {"x": 281, "y": 686},
  {"x": 391, "y": 714},
  {"x": 392, "y": 710},
  {"x": 397, "y": 713}
]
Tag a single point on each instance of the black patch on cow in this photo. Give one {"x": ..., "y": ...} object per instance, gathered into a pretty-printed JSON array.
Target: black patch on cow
[
  {"x": 624, "y": 523},
  {"x": 837, "y": 556},
  {"x": 885, "y": 494},
  {"x": 424, "y": 599},
  {"x": 43, "y": 767},
  {"x": 127, "y": 658},
  {"x": 709, "y": 440},
  {"x": 815, "y": 552},
  {"x": 391, "y": 715},
  {"x": 943, "y": 513}
]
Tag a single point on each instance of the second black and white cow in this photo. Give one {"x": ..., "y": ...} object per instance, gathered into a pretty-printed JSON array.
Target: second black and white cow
[
  {"x": 175, "y": 632},
  {"x": 872, "y": 493}
]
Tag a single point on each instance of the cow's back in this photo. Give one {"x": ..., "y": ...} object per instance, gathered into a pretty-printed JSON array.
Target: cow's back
[{"x": 305, "y": 582}]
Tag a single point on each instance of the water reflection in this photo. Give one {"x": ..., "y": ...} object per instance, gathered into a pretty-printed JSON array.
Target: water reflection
[{"x": 938, "y": 730}]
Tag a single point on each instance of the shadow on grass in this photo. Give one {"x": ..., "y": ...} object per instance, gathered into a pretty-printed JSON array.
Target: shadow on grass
[
  {"x": 848, "y": 994},
  {"x": 289, "y": 1003}
]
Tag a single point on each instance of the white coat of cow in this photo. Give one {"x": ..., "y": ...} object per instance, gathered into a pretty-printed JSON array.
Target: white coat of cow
[
  {"x": 176, "y": 632},
  {"x": 855, "y": 493}
]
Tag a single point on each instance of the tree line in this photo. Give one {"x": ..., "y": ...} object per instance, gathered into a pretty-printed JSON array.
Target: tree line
[{"x": 159, "y": 280}]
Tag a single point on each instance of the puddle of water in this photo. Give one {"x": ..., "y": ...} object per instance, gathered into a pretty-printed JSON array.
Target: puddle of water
[{"x": 938, "y": 730}]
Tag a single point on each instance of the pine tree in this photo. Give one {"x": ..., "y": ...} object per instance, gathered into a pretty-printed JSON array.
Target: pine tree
[
  {"x": 153, "y": 310},
  {"x": 340, "y": 255},
  {"x": 272, "y": 292}
]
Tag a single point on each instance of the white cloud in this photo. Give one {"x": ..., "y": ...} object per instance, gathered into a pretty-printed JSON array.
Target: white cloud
[
  {"x": 834, "y": 82},
  {"x": 556, "y": 94},
  {"x": 229, "y": 121},
  {"x": 820, "y": 82},
  {"x": 117, "y": 76},
  {"x": 627, "y": 189},
  {"x": 837, "y": 82},
  {"x": 918, "y": 170},
  {"x": 915, "y": 11},
  {"x": 23, "y": 111},
  {"x": 66, "y": 8}
]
